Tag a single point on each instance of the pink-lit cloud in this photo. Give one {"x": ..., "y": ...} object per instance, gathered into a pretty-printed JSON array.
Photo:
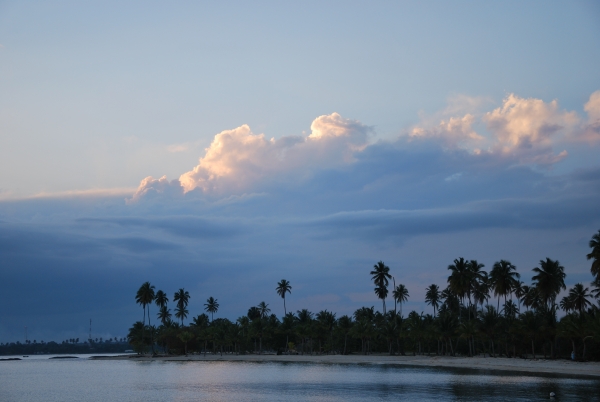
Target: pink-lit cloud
[{"x": 236, "y": 159}]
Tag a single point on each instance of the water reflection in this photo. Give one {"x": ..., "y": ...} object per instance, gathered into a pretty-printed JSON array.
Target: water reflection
[{"x": 81, "y": 379}]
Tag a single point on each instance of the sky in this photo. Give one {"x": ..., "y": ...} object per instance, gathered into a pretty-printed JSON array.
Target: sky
[{"x": 221, "y": 147}]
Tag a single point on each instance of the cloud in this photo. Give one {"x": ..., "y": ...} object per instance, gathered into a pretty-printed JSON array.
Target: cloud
[
  {"x": 525, "y": 129},
  {"x": 520, "y": 131},
  {"x": 237, "y": 159},
  {"x": 454, "y": 132},
  {"x": 151, "y": 187},
  {"x": 591, "y": 131}
]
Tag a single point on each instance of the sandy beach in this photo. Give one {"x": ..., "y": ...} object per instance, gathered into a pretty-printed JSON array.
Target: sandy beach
[{"x": 559, "y": 367}]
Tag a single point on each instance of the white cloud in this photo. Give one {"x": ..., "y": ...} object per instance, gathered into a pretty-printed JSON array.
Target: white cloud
[
  {"x": 454, "y": 132},
  {"x": 521, "y": 130},
  {"x": 237, "y": 159},
  {"x": 526, "y": 129},
  {"x": 591, "y": 130},
  {"x": 151, "y": 187}
]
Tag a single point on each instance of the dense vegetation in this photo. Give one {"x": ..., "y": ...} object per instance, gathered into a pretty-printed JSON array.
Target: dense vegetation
[
  {"x": 68, "y": 346},
  {"x": 478, "y": 312}
]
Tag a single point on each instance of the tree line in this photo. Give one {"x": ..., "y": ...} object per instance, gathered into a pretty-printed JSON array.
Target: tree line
[{"x": 490, "y": 313}]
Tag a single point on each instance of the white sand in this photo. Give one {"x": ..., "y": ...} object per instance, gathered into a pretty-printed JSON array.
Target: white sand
[{"x": 563, "y": 367}]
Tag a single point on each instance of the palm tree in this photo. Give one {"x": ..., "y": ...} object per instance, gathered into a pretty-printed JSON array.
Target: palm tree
[
  {"x": 161, "y": 299},
  {"x": 476, "y": 275},
  {"x": 145, "y": 296},
  {"x": 400, "y": 295},
  {"x": 432, "y": 296},
  {"x": 164, "y": 315},
  {"x": 380, "y": 276},
  {"x": 211, "y": 306},
  {"x": 182, "y": 298},
  {"x": 459, "y": 280},
  {"x": 531, "y": 297},
  {"x": 263, "y": 309},
  {"x": 282, "y": 288},
  {"x": 550, "y": 280},
  {"x": 181, "y": 313},
  {"x": 504, "y": 279},
  {"x": 579, "y": 297},
  {"x": 595, "y": 254},
  {"x": 519, "y": 292}
]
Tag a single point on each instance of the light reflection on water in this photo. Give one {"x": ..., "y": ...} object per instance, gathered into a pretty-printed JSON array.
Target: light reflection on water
[{"x": 124, "y": 380}]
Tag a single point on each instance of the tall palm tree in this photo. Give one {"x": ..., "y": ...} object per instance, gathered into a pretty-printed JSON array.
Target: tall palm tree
[
  {"x": 432, "y": 296},
  {"x": 504, "y": 279},
  {"x": 211, "y": 306},
  {"x": 182, "y": 298},
  {"x": 400, "y": 295},
  {"x": 381, "y": 276},
  {"x": 282, "y": 288},
  {"x": 145, "y": 296},
  {"x": 595, "y": 254},
  {"x": 549, "y": 280},
  {"x": 476, "y": 276}
]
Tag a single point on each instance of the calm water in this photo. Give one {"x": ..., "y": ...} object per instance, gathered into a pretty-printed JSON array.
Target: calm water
[{"x": 41, "y": 379}]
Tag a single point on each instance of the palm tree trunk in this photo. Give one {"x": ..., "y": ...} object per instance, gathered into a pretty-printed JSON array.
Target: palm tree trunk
[
  {"x": 284, "y": 310},
  {"x": 533, "y": 348}
]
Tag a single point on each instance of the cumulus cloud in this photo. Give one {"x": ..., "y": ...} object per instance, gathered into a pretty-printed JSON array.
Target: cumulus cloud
[
  {"x": 150, "y": 187},
  {"x": 521, "y": 130},
  {"x": 526, "y": 129},
  {"x": 591, "y": 131},
  {"x": 454, "y": 132},
  {"x": 237, "y": 159}
]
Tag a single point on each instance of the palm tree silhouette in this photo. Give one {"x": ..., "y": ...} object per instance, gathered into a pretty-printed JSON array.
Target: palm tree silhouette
[
  {"x": 164, "y": 315},
  {"x": 145, "y": 296},
  {"x": 380, "y": 276},
  {"x": 282, "y": 288},
  {"x": 432, "y": 296},
  {"x": 504, "y": 279},
  {"x": 549, "y": 280},
  {"x": 211, "y": 306},
  {"x": 459, "y": 280},
  {"x": 182, "y": 298},
  {"x": 476, "y": 276},
  {"x": 595, "y": 254},
  {"x": 263, "y": 309},
  {"x": 400, "y": 295},
  {"x": 161, "y": 299},
  {"x": 579, "y": 297}
]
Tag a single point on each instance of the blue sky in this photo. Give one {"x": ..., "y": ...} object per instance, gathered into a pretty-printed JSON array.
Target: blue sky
[{"x": 300, "y": 141}]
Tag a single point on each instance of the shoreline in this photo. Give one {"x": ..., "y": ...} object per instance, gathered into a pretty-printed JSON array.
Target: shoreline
[{"x": 538, "y": 366}]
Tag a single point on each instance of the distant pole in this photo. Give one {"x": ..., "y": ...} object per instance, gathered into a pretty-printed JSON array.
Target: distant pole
[
  {"x": 90, "y": 337},
  {"x": 25, "y": 334}
]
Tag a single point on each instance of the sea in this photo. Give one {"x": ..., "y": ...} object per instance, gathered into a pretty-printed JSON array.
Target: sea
[{"x": 40, "y": 378}]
